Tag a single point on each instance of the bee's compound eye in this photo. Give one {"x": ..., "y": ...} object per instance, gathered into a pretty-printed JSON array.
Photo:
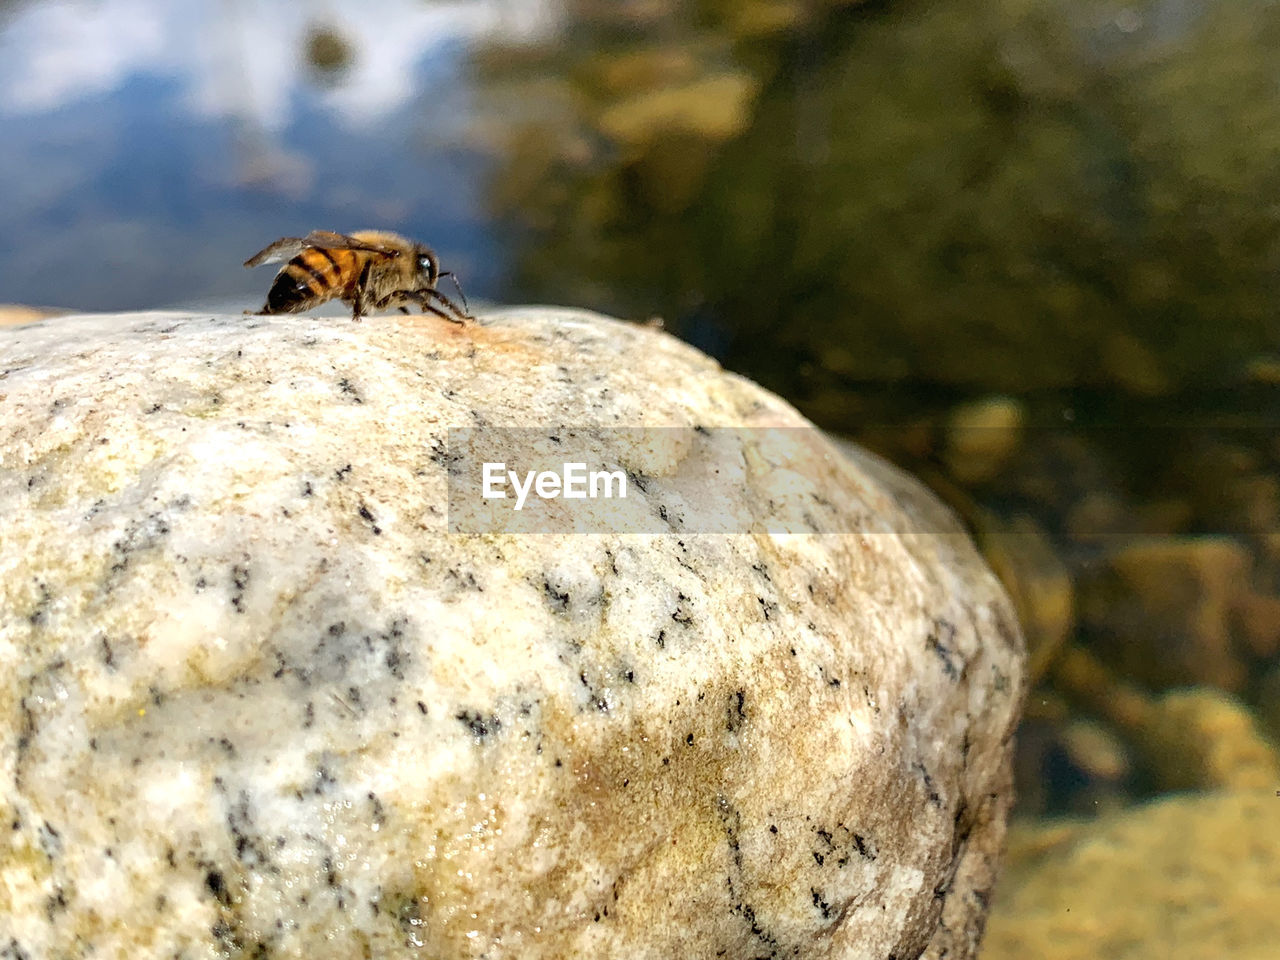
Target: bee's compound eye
[{"x": 424, "y": 263}]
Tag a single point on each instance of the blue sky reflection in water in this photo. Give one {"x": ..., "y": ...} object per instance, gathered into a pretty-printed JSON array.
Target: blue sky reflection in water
[{"x": 149, "y": 146}]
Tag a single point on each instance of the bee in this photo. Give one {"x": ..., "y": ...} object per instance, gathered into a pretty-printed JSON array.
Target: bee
[{"x": 369, "y": 269}]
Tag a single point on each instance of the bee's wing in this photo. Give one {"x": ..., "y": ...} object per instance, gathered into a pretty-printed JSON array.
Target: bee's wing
[
  {"x": 340, "y": 241},
  {"x": 286, "y": 248}
]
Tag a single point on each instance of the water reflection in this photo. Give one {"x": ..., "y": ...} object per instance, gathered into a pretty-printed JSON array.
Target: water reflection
[
  {"x": 245, "y": 59},
  {"x": 1017, "y": 195},
  {"x": 154, "y": 143}
]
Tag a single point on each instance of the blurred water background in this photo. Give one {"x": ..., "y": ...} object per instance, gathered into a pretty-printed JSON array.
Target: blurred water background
[{"x": 1028, "y": 249}]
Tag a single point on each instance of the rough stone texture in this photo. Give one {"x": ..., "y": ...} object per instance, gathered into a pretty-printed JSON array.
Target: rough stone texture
[
  {"x": 257, "y": 702},
  {"x": 1182, "y": 879}
]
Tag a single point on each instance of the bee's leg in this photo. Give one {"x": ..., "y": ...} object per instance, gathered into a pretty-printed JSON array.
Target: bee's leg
[
  {"x": 360, "y": 296},
  {"x": 459, "y": 314},
  {"x": 420, "y": 297},
  {"x": 359, "y": 304}
]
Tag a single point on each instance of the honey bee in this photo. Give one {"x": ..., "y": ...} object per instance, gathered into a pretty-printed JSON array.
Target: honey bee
[{"x": 369, "y": 269}]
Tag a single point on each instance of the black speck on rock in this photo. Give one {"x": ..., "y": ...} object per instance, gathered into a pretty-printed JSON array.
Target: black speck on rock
[{"x": 481, "y": 726}]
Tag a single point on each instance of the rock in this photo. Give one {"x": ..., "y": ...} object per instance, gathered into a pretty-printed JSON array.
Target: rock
[
  {"x": 1166, "y": 608},
  {"x": 257, "y": 699},
  {"x": 1204, "y": 738},
  {"x": 618, "y": 75},
  {"x": 1039, "y": 735},
  {"x": 1252, "y": 503},
  {"x": 1189, "y": 739},
  {"x": 1096, "y": 752},
  {"x": 1269, "y": 702},
  {"x": 1258, "y": 617},
  {"x": 714, "y": 108},
  {"x": 1263, "y": 369},
  {"x": 757, "y": 19},
  {"x": 1056, "y": 471},
  {"x": 17, "y": 314},
  {"x": 1067, "y": 764},
  {"x": 1023, "y": 557},
  {"x": 981, "y": 436},
  {"x": 1096, "y": 516},
  {"x": 1079, "y": 674},
  {"x": 1133, "y": 365},
  {"x": 1181, "y": 879}
]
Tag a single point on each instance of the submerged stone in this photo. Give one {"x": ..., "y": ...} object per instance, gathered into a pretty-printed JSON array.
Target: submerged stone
[{"x": 1186, "y": 877}]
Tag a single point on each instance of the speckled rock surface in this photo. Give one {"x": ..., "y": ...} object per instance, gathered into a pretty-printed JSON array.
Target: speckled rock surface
[{"x": 256, "y": 701}]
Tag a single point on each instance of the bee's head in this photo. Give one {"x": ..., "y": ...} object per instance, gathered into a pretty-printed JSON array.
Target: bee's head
[{"x": 427, "y": 266}]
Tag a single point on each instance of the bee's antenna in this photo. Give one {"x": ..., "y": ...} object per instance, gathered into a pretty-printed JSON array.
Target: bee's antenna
[{"x": 457, "y": 286}]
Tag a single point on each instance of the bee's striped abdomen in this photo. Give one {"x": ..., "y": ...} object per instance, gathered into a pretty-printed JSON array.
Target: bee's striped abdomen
[{"x": 313, "y": 276}]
